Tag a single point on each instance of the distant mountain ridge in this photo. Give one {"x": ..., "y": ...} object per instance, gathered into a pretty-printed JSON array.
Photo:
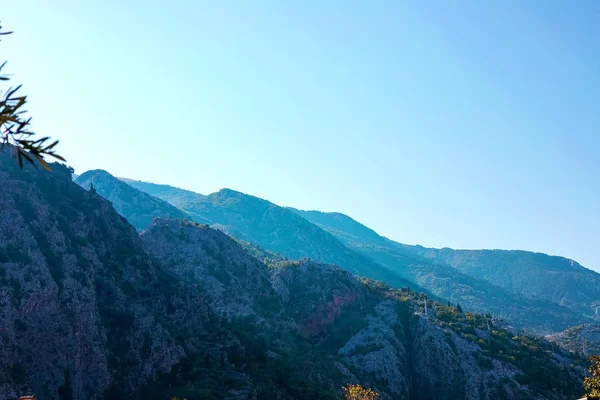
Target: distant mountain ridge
[
  {"x": 180, "y": 198},
  {"x": 536, "y": 275},
  {"x": 276, "y": 228},
  {"x": 138, "y": 207},
  {"x": 443, "y": 279},
  {"x": 337, "y": 238}
]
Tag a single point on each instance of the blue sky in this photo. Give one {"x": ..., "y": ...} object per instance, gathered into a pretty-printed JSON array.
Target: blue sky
[{"x": 466, "y": 124}]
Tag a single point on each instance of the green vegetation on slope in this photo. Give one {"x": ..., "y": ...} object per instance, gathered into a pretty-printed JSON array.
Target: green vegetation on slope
[
  {"x": 534, "y": 275},
  {"x": 274, "y": 228},
  {"x": 444, "y": 281}
]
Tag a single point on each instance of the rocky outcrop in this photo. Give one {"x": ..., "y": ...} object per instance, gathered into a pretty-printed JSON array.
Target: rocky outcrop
[
  {"x": 315, "y": 294},
  {"x": 326, "y": 314},
  {"x": 235, "y": 283},
  {"x": 379, "y": 350}
]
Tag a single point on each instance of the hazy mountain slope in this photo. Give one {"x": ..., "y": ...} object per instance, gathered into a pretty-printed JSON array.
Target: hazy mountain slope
[
  {"x": 90, "y": 310},
  {"x": 275, "y": 228},
  {"x": 342, "y": 226},
  {"x": 538, "y": 275},
  {"x": 445, "y": 281},
  {"x": 179, "y": 198},
  {"x": 137, "y": 206},
  {"x": 581, "y": 339}
]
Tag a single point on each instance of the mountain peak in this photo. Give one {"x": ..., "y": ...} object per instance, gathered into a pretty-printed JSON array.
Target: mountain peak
[
  {"x": 95, "y": 172},
  {"x": 227, "y": 191}
]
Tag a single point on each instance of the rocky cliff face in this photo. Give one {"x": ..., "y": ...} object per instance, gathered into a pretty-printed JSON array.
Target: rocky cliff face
[
  {"x": 80, "y": 301},
  {"x": 91, "y": 310},
  {"x": 235, "y": 283},
  {"x": 315, "y": 294},
  {"x": 386, "y": 340}
]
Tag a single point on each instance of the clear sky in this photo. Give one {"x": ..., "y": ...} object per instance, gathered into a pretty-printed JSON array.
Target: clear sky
[{"x": 466, "y": 124}]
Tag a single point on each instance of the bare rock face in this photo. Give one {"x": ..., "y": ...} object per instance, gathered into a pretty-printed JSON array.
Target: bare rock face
[
  {"x": 386, "y": 341},
  {"x": 379, "y": 349},
  {"x": 78, "y": 304},
  {"x": 445, "y": 362},
  {"x": 236, "y": 284},
  {"x": 315, "y": 294}
]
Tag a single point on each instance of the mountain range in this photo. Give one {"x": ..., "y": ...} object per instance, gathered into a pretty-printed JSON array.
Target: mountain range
[
  {"x": 93, "y": 307},
  {"x": 563, "y": 294},
  {"x": 556, "y": 279}
]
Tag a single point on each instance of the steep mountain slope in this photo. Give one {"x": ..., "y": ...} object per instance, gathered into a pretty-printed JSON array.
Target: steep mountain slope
[
  {"x": 358, "y": 249},
  {"x": 582, "y": 339},
  {"x": 445, "y": 281},
  {"x": 386, "y": 335},
  {"x": 342, "y": 226},
  {"x": 180, "y": 198},
  {"x": 227, "y": 272},
  {"x": 90, "y": 310},
  {"x": 537, "y": 275},
  {"x": 80, "y": 301},
  {"x": 326, "y": 326},
  {"x": 87, "y": 313},
  {"x": 138, "y": 207},
  {"x": 275, "y": 228}
]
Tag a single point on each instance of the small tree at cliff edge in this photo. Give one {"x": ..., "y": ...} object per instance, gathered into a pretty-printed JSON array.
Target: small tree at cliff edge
[{"x": 14, "y": 126}]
